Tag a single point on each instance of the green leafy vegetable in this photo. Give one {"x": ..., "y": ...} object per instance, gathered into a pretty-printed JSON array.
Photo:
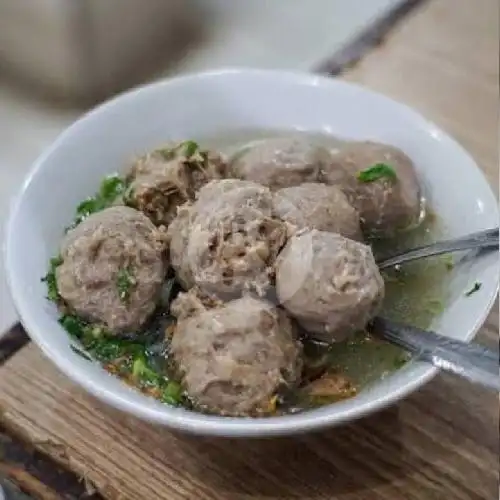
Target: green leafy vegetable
[
  {"x": 190, "y": 148},
  {"x": 172, "y": 394},
  {"x": 111, "y": 187},
  {"x": 142, "y": 372},
  {"x": 109, "y": 191},
  {"x": 187, "y": 148},
  {"x": 124, "y": 283},
  {"x": 50, "y": 279},
  {"x": 376, "y": 172},
  {"x": 73, "y": 325},
  {"x": 129, "y": 359},
  {"x": 476, "y": 287}
]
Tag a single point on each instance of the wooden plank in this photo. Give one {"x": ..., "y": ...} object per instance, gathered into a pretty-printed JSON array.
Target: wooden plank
[{"x": 442, "y": 442}]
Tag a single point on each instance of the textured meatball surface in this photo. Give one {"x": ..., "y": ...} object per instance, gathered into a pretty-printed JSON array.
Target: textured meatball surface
[
  {"x": 280, "y": 162},
  {"x": 232, "y": 239},
  {"x": 329, "y": 283},
  {"x": 163, "y": 180},
  {"x": 318, "y": 206},
  {"x": 234, "y": 358},
  {"x": 385, "y": 205},
  {"x": 113, "y": 266}
]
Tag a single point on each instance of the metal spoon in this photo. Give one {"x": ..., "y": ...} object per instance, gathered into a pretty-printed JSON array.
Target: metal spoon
[
  {"x": 474, "y": 362},
  {"x": 482, "y": 240}
]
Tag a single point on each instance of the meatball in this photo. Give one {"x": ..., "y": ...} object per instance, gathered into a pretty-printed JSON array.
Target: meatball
[
  {"x": 280, "y": 162},
  {"x": 163, "y": 180},
  {"x": 318, "y": 206},
  {"x": 228, "y": 243},
  {"x": 233, "y": 359},
  {"x": 386, "y": 204},
  {"x": 113, "y": 266},
  {"x": 329, "y": 283}
]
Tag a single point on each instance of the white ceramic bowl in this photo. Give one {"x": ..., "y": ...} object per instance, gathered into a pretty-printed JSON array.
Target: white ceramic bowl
[{"x": 195, "y": 106}]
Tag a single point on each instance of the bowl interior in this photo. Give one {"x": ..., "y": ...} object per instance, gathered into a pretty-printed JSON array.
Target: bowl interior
[{"x": 198, "y": 106}]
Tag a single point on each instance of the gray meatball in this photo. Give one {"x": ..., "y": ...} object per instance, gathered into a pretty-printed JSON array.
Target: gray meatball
[
  {"x": 281, "y": 162},
  {"x": 233, "y": 359},
  {"x": 113, "y": 268},
  {"x": 232, "y": 241},
  {"x": 387, "y": 204},
  {"x": 165, "y": 179},
  {"x": 181, "y": 227},
  {"x": 318, "y": 206},
  {"x": 329, "y": 283}
]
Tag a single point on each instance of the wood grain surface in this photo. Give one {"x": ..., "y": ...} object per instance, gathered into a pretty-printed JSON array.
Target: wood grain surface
[{"x": 440, "y": 443}]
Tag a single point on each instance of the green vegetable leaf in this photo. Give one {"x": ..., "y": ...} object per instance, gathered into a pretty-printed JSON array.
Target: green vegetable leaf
[
  {"x": 141, "y": 371},
  {"x": 124, "y": 283},
  {"x": 476, "y": 287},
  {"x": 111, "y": 187},
  {"x": 73, "y": 325},
  {"x": 190, "y": 148},
  {"x": 50, "y": 279},
  {"x": 172, "y": 394},
  {"x": 87, "y": 207},
  {"x": 376, "y": 172}
]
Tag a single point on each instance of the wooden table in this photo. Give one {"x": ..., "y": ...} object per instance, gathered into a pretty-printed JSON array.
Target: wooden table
[{"x": 440, "y": 443}]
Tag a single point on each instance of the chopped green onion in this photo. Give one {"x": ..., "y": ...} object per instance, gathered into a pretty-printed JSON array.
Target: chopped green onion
[
  {"x": 376, "y": 172},
  {"x": 190, "y": 148},
  {"x": 111, "y": 188},
  {"x": 50, "y": 279},
  {"x": 172, "y": 394},
  {"x": 73, "y": 325},
  {"x": 124, "y": 283},
  {"x": 476, "y": 287}
]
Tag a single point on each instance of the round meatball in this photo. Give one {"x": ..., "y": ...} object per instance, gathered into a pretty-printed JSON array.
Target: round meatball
[
  {"x": 113, "y": 266},
  {"x": 280, "y": 162},
  {"x": 181, "y": 227},
  {"x": 318, "y": 206},
  {"x": 163, "y": 180},
  {"x": 386, "y": 204},
  {"x": 329, "y": 283},
  {"x": 233, "y": 359},
  {"x": 228, "y": 243}
]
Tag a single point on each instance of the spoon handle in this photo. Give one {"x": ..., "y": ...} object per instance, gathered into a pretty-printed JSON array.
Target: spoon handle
[
  {"x": 480, "y": 240},
  {"x": 474, "y": 362}
]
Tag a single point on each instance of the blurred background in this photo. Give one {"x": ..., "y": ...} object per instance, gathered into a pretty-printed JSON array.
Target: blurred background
[{"x": 60, "y": 57}]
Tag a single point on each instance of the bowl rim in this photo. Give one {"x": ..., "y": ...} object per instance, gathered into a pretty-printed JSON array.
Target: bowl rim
[{"x": 185, "y": 420}]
